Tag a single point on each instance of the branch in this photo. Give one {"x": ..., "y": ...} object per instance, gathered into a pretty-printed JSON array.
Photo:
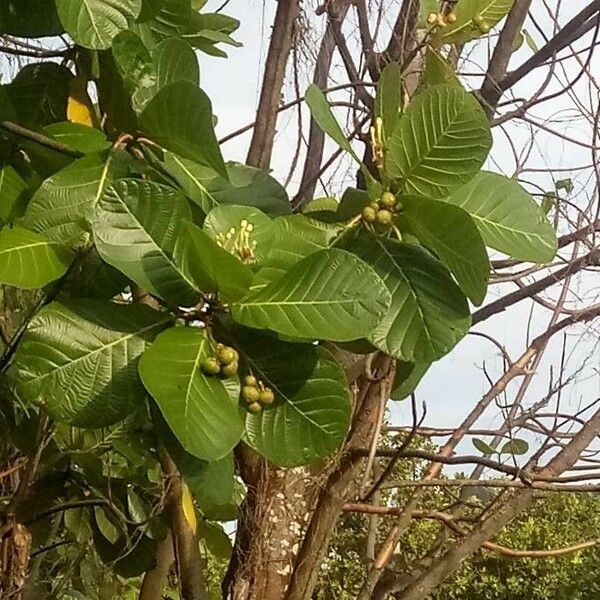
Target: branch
[
  {"x": 590, "y": 259},
  {"x": 38, "y": 138},
  {"x": 261, "y": 145}
]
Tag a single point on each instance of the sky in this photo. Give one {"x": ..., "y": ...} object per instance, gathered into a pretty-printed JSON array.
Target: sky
[{"x": 455, "y": 383}]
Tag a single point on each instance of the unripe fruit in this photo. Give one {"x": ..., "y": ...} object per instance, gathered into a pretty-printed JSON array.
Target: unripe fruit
[
  {"x": 478, "y": 19},
  {"x": 384, "y": 217},
  {"x": 432, "y": 18},
  {"x": 441, "y": 21},
  {"x": 211, "y": 366},
  {"x": 250, "y": 380},
  {"x": 266, "y": 397},
  {"x": 231, "y": 369},
  {"x": 484, "y": 27},
  {"x": 226, "y": 355},
  {"x": 388, "y": 200},
  {"x": 255, "y": 408},
  {"x": 451, "y": 18},
  {"x": 374, "y": 205},
  {"x": 250, "y": 394},
  {"x": 369, "y": 215}
]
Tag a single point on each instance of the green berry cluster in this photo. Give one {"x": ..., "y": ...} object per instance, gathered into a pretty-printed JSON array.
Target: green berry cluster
[
  {"x": 256, "y": 394},
  {"x": 225, "y": 362},
  {"x": 381, "y": 211}
]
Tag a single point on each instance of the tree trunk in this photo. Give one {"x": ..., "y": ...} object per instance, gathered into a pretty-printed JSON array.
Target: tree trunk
[{"x": 290, "y": 515}]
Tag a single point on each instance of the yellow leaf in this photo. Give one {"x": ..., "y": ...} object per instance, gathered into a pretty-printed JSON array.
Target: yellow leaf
[
  {"x": 188, "y": 507},
  {"x": 80, "y": 109}
]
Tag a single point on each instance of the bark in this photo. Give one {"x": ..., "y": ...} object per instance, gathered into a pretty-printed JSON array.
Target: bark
[
  {"x": 187, "y": 551},
  {"x": 282, "y": 39},
  {"x": 155, "y": 580}
]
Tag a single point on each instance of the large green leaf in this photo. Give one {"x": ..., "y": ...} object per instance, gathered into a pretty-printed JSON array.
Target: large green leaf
[
  {"x": 196, "y": 407},
  {"x": 168, "y": 19},
  {"x": 78, "y": 137},
  {"x": 331, "y": 294},
  {"x": 29, "y": 18},
  {"x": 387, "y": 100},
  {"x": 450, "y": 232},
  {"x": 210, "y": 267},
  {"x": 79, "y": 360},
  {"x": 429, "y": 314},
  {"x": 39, "y": 94},
  {"x": 297, "y": 236},
  {"x": 440, "y": 142},
  {"x": 466, "y": 28},
  {"x": 137, "y": 230},
  {"x": 311, "y": 413},
  {"x": 247, "y": 186},
  {"x": 507, "y": 216},
  {"x": 323, "y": 116},
  {"x": 63, "y": 206},
  {"x": 145, "y": 72},
  {"x": 94, "y": 23},
  {"x": 28, "y": 260},
  {"x": 12, "y": 193},
  {"x": 179, "y": 118}
]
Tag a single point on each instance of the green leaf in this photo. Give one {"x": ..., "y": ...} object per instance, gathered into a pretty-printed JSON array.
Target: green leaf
[
  {"x": 327, "y": 204},
  {"x": 213, "y": 487},
  {"x": 516, "y": 447},
  {"x": 39, "y": 94},
  {"x": 466, "y": 28},
  {"x": 247, "y": 186},
  {"x": 137, "y": 229},
  {"x": 407, "y": 378},
  {"x": 196, "y": 407},
  {"x": 223, "y": 219},
  {"x": 311, "y": 413},
  {"x": 387, "y": 100},
  {"x": 79, "y": 360},
  {"x": 530, "y": 41},
  {"x": 483, "y": 447},
  {"x": 440, "y": 142},
  {"x": 28, "y": 260},
  {"x": 12, "y": 194},
  {"x": 179, "y": 118},
  {"x": 297, "y": 236},
  {"x": 214, "y": 541},
  {"x": 78, "y": 137},
  {"x": 331, "y": 295},
  {"x": 170, "y": 20},
  {"x": 133, "y": 61},
  {"x": 426, "y": 7},
  {"x": 63, "y": 206},
  {"x": 105, "y": 525},
  {"x": 508, "y": 218},
  {"x": 29, "y": 18},
  {"x": 453, "y": 237},
  {"x": 352, "y": 203},
  {"x": 438, "y": 70},
  {"x": 94, "y": 23},
  {"x": 429, "y": 314},
  {"x": 211, "y": 268},
  {"x": 321, "y": 113}
]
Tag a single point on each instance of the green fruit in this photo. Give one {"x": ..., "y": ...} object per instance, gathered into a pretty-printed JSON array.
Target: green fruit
[
  {"x": 255, "y": 408},
  {"x": 226, "y": 355},
  {"x": 374, "y": 205},
  {"x": 266, "y": 397},
  {"x": 250, "y": 394},
  {"x": 384, "y": 217},
  {"x": 231, "y": 369},
  {"x": 388, "y": 200},
  {"x": 478, "y": 19},
  {"x": 211, "y": 366},
  {"x": 250, "y": 380},
  {"x": 369, "y": 215},
  {"x": 484, "y": 27}
]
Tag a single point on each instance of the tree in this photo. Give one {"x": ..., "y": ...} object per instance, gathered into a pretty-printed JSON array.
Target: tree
[{"x": 184, "y": 345}]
